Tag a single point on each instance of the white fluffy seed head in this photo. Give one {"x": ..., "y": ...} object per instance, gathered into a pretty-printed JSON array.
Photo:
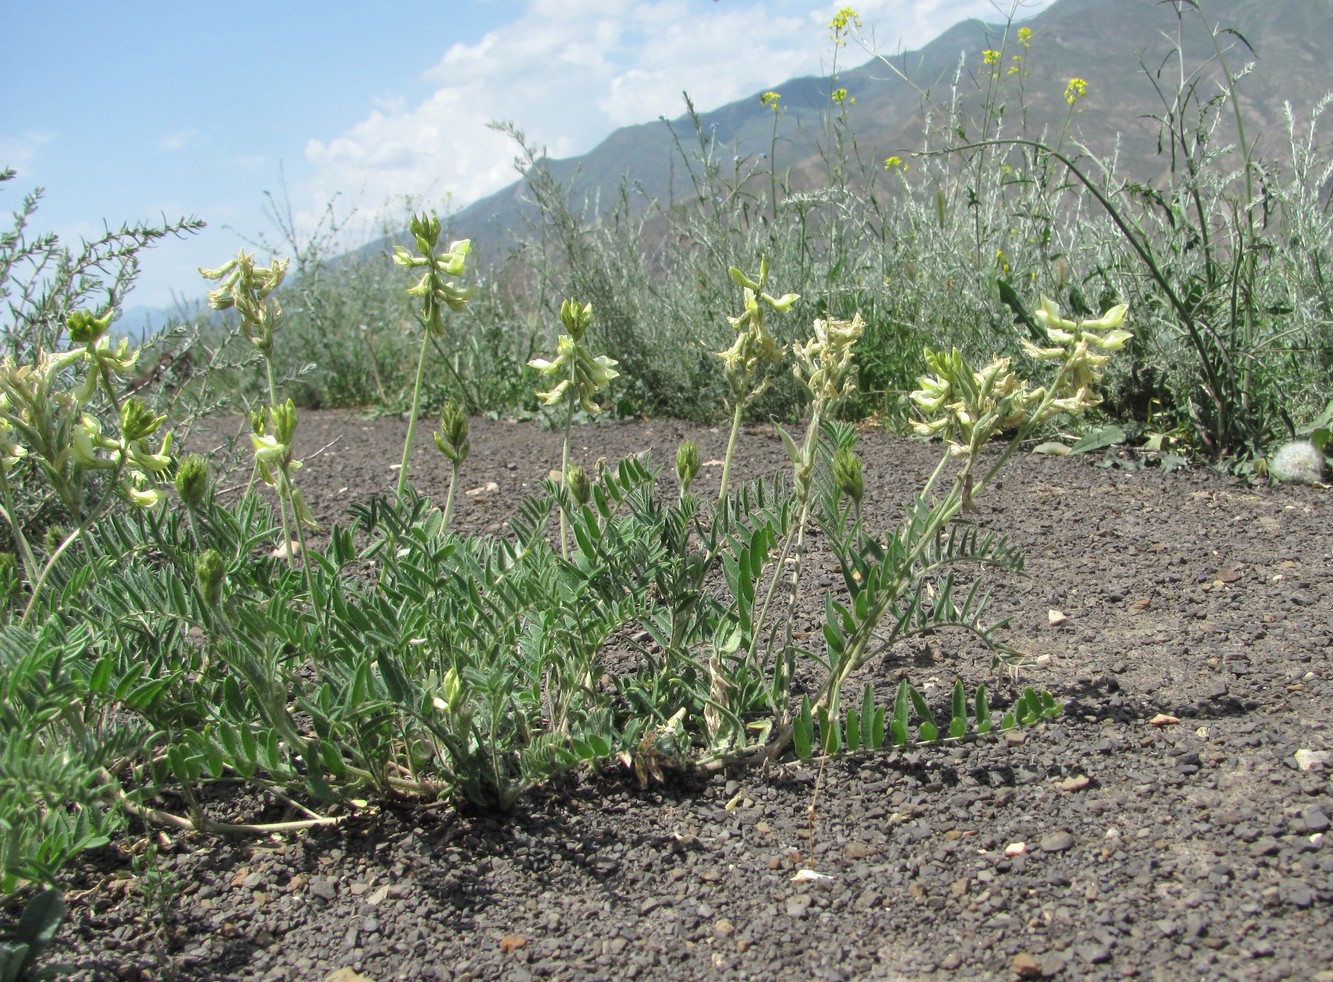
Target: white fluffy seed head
[{"x": 1297, "y": 462}]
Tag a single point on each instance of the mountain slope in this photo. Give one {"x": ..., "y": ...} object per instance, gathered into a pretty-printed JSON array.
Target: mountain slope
[{"x": 1122, "y": 48}]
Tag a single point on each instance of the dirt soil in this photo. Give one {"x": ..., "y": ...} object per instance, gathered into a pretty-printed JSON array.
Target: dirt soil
[{"x": 1173, "y": 824}]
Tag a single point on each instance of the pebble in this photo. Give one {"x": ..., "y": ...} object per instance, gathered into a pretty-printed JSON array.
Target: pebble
[
  {"x": 1057, "y": 842},
  {"x": 798, "y": 905}
]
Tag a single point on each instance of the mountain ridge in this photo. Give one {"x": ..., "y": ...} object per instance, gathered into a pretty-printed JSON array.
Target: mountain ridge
[{"x": 1132, "y": 46}]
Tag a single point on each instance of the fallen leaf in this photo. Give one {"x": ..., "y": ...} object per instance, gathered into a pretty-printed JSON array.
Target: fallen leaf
[
  {"x": 1162, "y": 719},
  {"x": 809, "y": 876},
  {"x": 1052, "y": 449},
  {"x": 512, "y": 942}
]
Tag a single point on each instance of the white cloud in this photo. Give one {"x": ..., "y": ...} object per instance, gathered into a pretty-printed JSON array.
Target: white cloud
[
  {"x": 179, "y": 140},
  {"x": 567, "y": 72},
  {"x": 21, "y": 150}
]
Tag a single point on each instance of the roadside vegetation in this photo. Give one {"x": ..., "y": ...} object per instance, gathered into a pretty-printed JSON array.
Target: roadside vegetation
[{"x": 988, "y": 291}]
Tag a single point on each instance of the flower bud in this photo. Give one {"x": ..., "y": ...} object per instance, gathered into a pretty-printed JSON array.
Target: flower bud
[
  {"x": 575, "y": 318},
  {"x": 137, "y": 421},
  {"x": 192, "y": 481},
  {"x": 85, "y": 327},
  {"x": 451, "y": 438},
  {"x": 576, "y": 480},
  {"x": 284, "y": 421},
  {"x": 847, "y": 474},
  {"x": 451, "y": 692},
  {"x": 210, "y": 572},
  {"x": 687, "y": 464}
]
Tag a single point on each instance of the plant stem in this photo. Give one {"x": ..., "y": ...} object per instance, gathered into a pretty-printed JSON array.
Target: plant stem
[
  {"x": 731, "y": 449},
  {"x": 564, "y": 470},
  {"x": 412, "y": 417},
  {"x": 449, "y": 498}
]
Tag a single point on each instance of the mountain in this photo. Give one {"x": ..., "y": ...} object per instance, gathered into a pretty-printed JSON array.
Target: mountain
[{"x": 1121, "y": 48}]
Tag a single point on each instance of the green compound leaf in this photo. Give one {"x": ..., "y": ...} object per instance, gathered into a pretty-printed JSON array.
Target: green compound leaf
[
  {"x": 958, "y": 724},
  {"x": 803, "y": 731},
  {"x": 867, "y": 719},
  {"x": 898, "y": 728}
]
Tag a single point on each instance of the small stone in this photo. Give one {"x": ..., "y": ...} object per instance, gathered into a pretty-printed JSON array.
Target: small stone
[
  {"x": 1162, "y": 719},
  {"x": 1026, "y": 966},
  {"x": 1265, "y": 846},
  {"x": 1076, "y": 783},
  {"x": 723, "y": 928},
  {"x": 1261, "y": 948},
  {"x": 1055, "y": 617},
  {"x": 1308, "y": 760},
  {"x": 868, "y": 899},
  {"x": 1297, "y": 894},
  {"x": 510, "y": 943},
  {"x": 1094, "y": 954},
  {"x": 1057, "y": 842},
  {"x": 798, "y": 906},
  {"x": 1015, "y": 849},
  {"x": 346, "y": 975},
  {"x": 1315, "y": 820},
  {"x": 323, "y": 888}
]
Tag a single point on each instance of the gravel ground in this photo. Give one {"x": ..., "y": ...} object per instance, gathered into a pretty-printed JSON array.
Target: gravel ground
[{"x": 1173, "y": 824}]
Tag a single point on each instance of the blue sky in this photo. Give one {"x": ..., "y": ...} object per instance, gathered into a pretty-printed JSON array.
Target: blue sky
[{"x": 131, "y": 110}]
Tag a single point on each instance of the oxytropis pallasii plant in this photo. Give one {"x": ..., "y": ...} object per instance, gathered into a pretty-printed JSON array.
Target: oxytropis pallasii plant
[{"x": 402, "y": 661}]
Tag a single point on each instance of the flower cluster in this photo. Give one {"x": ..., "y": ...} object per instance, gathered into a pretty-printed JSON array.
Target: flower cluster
[
  {"x": 436, "y": 288},
  {"x": 754, "y": 345},
  {"x": 248, "y": 288},
  {"x": 582, "y": 375},
  {"x": 841, "y": 24},
  {"x": 1075, "y": 90},
  {"x": 95, "y": 352},
  {"x": 824, "y": 363},
  {"x": 966, "y": 406},
  {"x": 271, "y": 436},
  {"x": 44, "y": 410},
  {"x": 1082, "y": 348}
]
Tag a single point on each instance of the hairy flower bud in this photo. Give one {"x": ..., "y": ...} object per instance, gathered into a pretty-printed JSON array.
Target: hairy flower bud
[
  {"x": 578, "y": 484},
  {"x": 687, "y": 464},
  {"x": 847, "y": 474},
  {"x": 451, "y": 439},
  {"x": 210, "y": 572},
  {"x": 192, "y": 481}
]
